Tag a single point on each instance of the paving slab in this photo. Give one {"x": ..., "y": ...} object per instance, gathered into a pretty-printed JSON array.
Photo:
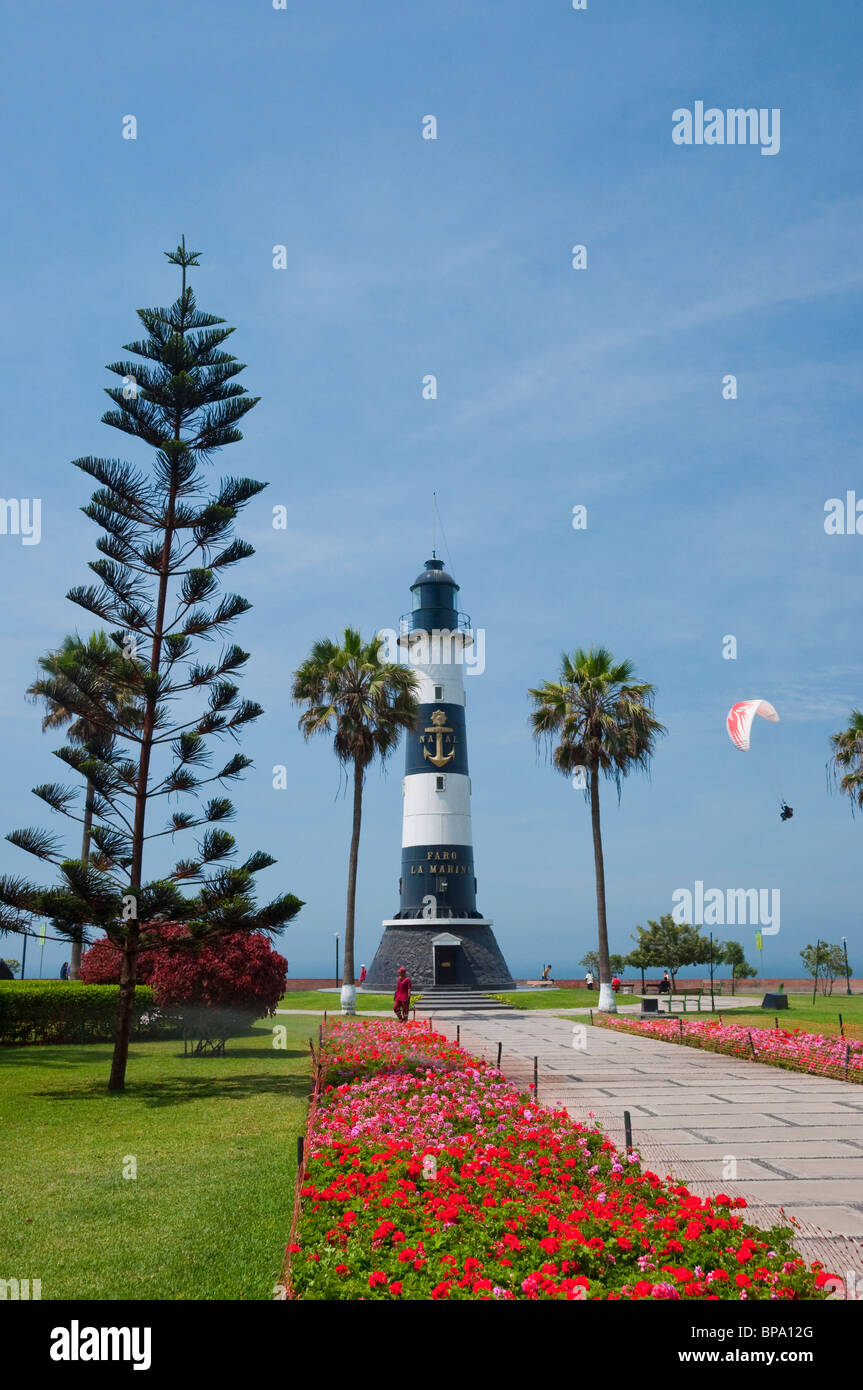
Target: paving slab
[
  {"x": 778, "y": 1134},
  {"x": 797, "y": 1140},
  {"x": 848, "y": 1165},
  {"x": 799, "y": 1149}
]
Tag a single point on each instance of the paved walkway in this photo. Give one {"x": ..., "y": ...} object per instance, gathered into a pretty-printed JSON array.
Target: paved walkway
[{"x": 789, "y": 1140}]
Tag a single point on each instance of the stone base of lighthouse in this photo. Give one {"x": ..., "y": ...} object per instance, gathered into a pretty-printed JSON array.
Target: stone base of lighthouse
[{"x": 457, "y": 952}]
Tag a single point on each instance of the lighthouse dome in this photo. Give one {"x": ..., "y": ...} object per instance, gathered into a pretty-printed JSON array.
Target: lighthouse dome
[{"x": 434, "y": 573}]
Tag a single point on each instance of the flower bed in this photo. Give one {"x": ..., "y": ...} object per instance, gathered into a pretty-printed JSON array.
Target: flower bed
[
  {"x": 813, "y": 1053},
  {"x": 443, "y": 1182}
]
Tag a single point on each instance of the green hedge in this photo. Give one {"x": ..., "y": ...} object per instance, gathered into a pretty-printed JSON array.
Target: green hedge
[{"x": 64, "y": 1011}]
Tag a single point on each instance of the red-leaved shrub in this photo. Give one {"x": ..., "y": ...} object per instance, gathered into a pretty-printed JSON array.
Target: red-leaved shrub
[{"x": 241, "y": 972}]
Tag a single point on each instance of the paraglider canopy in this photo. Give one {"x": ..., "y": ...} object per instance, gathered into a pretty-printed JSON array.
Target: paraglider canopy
[{"x": 740, "y": 718}]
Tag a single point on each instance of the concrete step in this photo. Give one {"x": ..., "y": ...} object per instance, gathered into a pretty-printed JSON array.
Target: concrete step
[{"x": 439, "y": 999}]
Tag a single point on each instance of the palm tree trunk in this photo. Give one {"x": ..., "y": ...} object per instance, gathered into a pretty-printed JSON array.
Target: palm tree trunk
[
  {"x": 349, "y": 993},
  {"x": 606, "y": 994},
  {"x": 75, "y": 962}
]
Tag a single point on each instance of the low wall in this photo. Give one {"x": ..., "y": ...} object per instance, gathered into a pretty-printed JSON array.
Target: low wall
[
  {"x": 696, "y": 981},
  {"x": 758, "y": 986}
]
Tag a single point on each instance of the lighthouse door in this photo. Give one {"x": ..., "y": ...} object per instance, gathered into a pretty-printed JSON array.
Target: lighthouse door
[{"x": 444, "y": 965}]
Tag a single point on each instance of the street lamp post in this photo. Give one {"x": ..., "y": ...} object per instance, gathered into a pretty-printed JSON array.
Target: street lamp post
[
  {"x": 847, "y": 971},
  {"x": 337, "y": 958}
]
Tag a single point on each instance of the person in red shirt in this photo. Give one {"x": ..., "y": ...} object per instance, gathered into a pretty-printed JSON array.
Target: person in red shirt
[
  {"x": 615, "y": 984},
  {"x": 402, "y": 996},
  {"x": 362, "y": 974}
]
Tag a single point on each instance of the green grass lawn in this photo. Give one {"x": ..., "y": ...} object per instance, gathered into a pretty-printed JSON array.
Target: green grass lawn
[
  {"x": 321, "y": 999},
  {"x": 553, "y": 998},
  {"x": 820, "y": 1017},
  {"x": 209, "y": 1213}
]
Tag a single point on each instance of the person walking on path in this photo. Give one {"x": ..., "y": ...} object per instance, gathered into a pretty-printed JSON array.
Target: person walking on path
[
  {"x": 588, "y": 979},
  {"x": 402, "y": 996},
  {"x": 64, "y": 970},
  {"x": 362, "y": 974}
]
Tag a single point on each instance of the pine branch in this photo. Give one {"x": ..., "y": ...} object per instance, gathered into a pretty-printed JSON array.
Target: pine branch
[{"x": 37, "y": 842}]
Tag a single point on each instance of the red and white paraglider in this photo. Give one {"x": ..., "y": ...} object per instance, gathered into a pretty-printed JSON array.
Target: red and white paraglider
[
  {"x": 741, "y": 716},
  {"x": 739, "y": 723}
]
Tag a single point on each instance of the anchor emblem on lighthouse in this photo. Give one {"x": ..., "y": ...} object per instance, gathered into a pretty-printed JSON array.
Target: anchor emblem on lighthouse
[{"x": 439, "y": 729}]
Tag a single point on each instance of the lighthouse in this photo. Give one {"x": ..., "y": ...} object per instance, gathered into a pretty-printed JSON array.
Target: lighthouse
[{"x": 438, "y": 933}]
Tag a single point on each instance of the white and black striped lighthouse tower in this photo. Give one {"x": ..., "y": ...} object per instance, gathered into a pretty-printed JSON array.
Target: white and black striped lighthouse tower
[{"x": 438, "y": 933}]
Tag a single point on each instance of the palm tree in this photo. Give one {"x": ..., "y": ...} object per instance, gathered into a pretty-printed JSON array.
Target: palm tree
[
  {"x": 847, "y": 766},
  {"x": 596, "y": 717},
  {"x": 365, "y": 704},
  {"x": 91, "y": 668}
]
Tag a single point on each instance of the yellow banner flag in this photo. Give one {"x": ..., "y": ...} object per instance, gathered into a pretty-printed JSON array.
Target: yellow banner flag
[{"x": 758, "y": 940}]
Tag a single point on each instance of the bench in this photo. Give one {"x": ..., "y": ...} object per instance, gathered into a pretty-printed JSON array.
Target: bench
[{"x": 651, "y": 999}]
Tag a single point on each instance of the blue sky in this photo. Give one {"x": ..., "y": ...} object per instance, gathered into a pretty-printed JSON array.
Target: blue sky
[{"x": 557, "y": 387}]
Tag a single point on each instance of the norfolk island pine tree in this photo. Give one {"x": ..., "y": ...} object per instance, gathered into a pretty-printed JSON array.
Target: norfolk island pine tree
[
  {"x": 597, "y": 718},
  {"x": 183, "y": 402}
]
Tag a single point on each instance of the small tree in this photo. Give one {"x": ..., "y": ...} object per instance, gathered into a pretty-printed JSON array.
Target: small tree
[
  {"x": 668, "y": 945},
  {"x": 734, "y": 956},
  {"x": 590, "y": 961},
  {"x": 824, "y": 962},
  {"x": 13, "y": 966},
  {"x": 639, "y": 958}
]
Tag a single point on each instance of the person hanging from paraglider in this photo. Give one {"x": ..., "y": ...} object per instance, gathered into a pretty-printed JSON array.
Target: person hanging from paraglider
[{"x": 739, "y": 724}]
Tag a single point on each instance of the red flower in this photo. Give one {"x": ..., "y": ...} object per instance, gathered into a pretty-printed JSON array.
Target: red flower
[{"x": 377, "y": 1279}]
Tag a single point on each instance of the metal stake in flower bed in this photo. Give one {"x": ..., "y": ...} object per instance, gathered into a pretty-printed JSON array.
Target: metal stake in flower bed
[{"x": 536, "y": 1078}]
